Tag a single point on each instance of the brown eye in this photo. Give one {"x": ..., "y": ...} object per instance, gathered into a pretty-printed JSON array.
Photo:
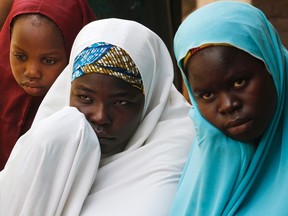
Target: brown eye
[
  {"x": 85, "y": 98},
  {"x": 207, "y": 96},
  {"x": 20, "y": 56},
  {"x": 48, "y": 61},
  {"x": 239, "y": 83},
  {"x": 121, "y": 102}
]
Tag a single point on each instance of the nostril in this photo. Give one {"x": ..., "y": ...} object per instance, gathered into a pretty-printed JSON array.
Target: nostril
[
  {"x": 228, "y": 104},
  {"x": 32, "y": 74},
  {"x": 99, "y": 128},
  {"x": 236, "y": 104}
]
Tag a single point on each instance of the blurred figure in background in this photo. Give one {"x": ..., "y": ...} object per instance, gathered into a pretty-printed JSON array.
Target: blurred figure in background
[
  {"x": 41, "y": 36},
  {"x": 5, "y": 7}
]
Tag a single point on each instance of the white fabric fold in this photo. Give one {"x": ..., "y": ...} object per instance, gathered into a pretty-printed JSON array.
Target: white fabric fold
[
  {"x": 141, "y": 180},
  {"x": 52, "y": 167}
]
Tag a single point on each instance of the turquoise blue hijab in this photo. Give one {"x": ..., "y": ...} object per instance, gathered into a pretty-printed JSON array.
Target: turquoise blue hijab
[{"x": 223, "y": 176}]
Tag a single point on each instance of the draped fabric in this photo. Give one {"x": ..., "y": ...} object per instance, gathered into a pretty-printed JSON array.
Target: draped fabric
[
  {"x": 17, "y": 108},
  {"x": 51, "y": 169},
  {"x": 141, "y": 180},
  {"x": 223, "y": 176}
]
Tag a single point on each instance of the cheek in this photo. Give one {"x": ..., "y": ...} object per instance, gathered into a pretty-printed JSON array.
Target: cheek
[
  {"x": 16, "y": 68},
  {"x": 265, "y": 102},
  {"x": 258, "y": 97},
  {"x": 127, "y": 125},
  {"x": 207, "y": 112},
  {"x": 74, "y": 103},
  {"x": 49, "y": 76}
]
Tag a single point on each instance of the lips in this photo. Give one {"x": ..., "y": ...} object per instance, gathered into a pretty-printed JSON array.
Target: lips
[
  {"x": 238, "y": 126},
  {"x": 102, "y": 135},
  {"x": 105, "y": 139},
  {"x": 236, "y": 122},
  {"x": 33, "y": 88},
  {"x": 28, "y": 84}
]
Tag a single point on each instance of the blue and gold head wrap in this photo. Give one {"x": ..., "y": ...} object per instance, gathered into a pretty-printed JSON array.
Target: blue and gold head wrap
[{"x": 107, "y": 59}]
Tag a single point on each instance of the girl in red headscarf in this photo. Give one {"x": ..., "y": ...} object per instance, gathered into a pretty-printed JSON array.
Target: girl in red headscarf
[{"x": 35, "y": 44}]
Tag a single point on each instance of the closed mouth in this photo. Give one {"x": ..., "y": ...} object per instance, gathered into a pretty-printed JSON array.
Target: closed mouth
[
  {"x": 236, "y": 122},
  {"x": 105, "y": 138},
  {"x": 102, "y": 135},
  {"x": 31, "y": 85},
  {"x": 239, "y": 126}
]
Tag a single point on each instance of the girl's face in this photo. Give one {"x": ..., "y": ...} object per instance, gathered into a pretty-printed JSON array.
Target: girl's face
[
  {"x": 113, "y": 107},
  {"x": 37, "y": 53},
  {"x": 233, "y": 91}
]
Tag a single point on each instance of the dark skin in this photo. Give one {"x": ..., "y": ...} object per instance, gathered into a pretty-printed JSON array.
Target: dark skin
[
  {"x": 233, "y": 91},
  {"x": 37, "y": 53},
  {"x": 110, "y": 104}
]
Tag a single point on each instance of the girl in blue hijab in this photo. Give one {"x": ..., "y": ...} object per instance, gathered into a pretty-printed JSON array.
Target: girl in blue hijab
[{"x": 235, "y": 69}]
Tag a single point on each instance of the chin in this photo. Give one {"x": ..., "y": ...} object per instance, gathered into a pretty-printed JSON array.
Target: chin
[{"x": 253, "y": 140}]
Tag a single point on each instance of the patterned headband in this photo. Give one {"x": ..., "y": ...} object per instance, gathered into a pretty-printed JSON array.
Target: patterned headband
[
  {"x": 196, "y": 49},
  {"x": 107, "y": 59}
]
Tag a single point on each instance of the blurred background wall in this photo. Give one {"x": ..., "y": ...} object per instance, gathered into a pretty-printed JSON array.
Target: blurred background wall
[
  {"x": 161, "y": 16},
  {"x": 276, "y": 12},
  {"x": 164, "y": 17}
]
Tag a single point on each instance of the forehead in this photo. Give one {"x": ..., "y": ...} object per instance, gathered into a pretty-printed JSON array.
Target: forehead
[
  {"x": 104, "y": 84},
  {"x": 35, "y": 31},
  {"x": 37, "y": 22},
  {"x": 217, "y": 64},
  {"x": 221, "y": 58},
  {"x": 35, "y": 19}
]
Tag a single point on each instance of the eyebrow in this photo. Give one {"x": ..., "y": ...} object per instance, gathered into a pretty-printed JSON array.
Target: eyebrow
[
  {"x": 116, "y": 94},
  {"x": 53, "y": 52},
  {"x": 83, "y": 88}
]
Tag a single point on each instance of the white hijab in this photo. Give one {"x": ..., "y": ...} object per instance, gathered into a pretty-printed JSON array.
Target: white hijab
[{"x": 142, "y": 179}]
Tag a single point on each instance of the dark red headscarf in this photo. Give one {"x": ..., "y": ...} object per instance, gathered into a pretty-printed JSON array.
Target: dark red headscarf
[{"x": 17, "y": 108}]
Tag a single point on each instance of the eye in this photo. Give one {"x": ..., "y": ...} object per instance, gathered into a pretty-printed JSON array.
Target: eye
[
  {"x": 48, "y": 61},
  {"x": 239, "y": 83},
  {"x": 85, "y": 98},
  {"x": 207, "y": 96},
  {"x": 20, "y": 56},
  {"x": 121, "y": 102}
]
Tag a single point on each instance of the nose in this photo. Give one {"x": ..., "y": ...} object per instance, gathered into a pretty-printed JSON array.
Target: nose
[
  {"x": 32, "y": 70},
  {"x": 99, "y": 115},
  {"x": 228, "y": 103}
]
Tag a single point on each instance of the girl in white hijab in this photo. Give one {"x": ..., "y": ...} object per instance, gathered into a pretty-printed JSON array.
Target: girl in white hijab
[{"x": 57, "y": 168}]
